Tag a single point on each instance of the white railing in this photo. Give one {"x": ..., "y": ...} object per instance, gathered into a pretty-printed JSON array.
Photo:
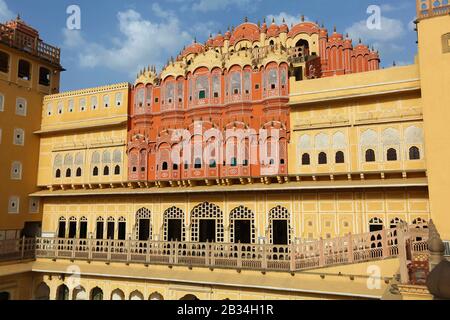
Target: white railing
[{"x": 297, "y": 256}]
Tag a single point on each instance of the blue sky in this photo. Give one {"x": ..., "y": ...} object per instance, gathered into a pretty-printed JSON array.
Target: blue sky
[{"x": 119, "y": 37}]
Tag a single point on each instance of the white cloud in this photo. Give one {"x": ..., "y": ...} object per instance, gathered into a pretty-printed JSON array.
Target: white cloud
[
  {"x": 5, "y": 12},
  {"x": 140, "y": 43},
  {"x": 391, "y": 29},
  {"x": 290, "y": 19},
  {"x": 216, "y": 5},
  {"x": 386, "y": 40}
]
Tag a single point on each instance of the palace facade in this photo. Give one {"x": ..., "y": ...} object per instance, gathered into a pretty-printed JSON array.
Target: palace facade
[{"x": 269, "y": 162}]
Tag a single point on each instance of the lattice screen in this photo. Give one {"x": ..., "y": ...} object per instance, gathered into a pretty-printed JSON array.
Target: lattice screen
[
  {"x": 242, "y": 213},
  {"x": 279, "y": 213},
  {"x": 206, "y": 210},
  {"x": 174, "y": 213}
]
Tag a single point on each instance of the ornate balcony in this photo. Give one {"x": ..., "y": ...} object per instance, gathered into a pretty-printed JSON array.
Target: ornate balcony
[
  {"x": 297, "y": 256},
  {"x": 17, "y": 39},
  {"x": 18, "y": 249}
]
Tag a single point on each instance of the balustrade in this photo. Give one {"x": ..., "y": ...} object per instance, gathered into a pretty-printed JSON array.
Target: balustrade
[{"x": 297, "y": 256}]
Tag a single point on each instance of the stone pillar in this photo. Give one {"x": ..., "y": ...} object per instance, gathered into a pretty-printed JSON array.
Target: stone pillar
[
  {"x": 435, "y": 246},
  {"x": 402, "y": 254}
]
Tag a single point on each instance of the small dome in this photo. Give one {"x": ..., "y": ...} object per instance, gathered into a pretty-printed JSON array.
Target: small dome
[
  {"x": 304, "y": 27},
  {"x": 246, "y": 31},
  {"x": 193, "y": 48},
  {"x": 284, "y": 27},
  {"x": 273, "y": 30}
]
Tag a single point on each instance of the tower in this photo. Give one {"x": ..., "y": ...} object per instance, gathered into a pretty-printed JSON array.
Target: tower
[
  {"x": 29, "y": 69},
  {"x": 433, "y": 27}
]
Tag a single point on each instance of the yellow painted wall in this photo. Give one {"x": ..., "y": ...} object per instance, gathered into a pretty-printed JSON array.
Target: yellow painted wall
[
  {"x": 313, "y": 214},
  {"x": 72, "y": 129},
  {"x": 434, "y": 56},
  {"x": 349, "y": 114},
  {"x": 12, "y": 88}
]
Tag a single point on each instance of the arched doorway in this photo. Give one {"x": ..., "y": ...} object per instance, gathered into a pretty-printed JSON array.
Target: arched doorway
[
  {"x": 143, "y": 224},
  {"x": 136, "y": 295},
  {"x": 156, "y": 296},
  {"x": 79, "y": 293},
  {"x": 207, "y": 223},
  {"x": 242, "y": 225},
  {"x": 42, "y": 292},
  {"x": 174, "y": 229},
  {"x": 304, "y": 46},
  {"x": 117, "y": 295},
  {"x": 280, "y": 229},
  {"x": 189, "y": 297},
  {"x": 62, "y": 293},
  {"x": 96, "y": 294}
]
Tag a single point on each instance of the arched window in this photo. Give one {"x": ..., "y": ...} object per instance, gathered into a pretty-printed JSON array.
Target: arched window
[
  {"x": 68, "y": 173},
  {"x": 323, "y": 158},
  {"x": 79, "y": 172},
  {"x": 236, "y": 83},
  {"x": 414, "y": 153},
  {"x": 212, "y": 163},
  {"x": 117, "y": 170},
  {"x": 58, "y": 173},
  {"x": 95, "y": 172},
  {"x": 370, "y": 155},
  {"x": 175, "y": 166},
  {"x": 392, "y": 155},
  {"x": 165, "y": 166},
  {"x": 376, "y": 224},
  {"x": 272, "y": 79},
  {"x": 97, "y": 294},
  {"x": 340, "y": 158},
  {"x": 306, "y": 159},
  {"x": 62, "y": 292},
  {"x": 106, "y": 171}
]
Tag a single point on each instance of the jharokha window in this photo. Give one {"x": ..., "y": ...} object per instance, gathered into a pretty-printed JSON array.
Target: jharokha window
[
  {"x": 272, "y": 79},
  {"x": 202, "y": 87},
  {"x": 140, "y": 98},
  {"x": 236, "y": 83},
  {"x": 216, "y": 85},
  {"x": 170, "y": 91}
]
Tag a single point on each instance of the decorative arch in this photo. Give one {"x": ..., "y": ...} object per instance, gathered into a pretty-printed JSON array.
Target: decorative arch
[
  {"x": 206, "y": 211},
  {"x": 174, "y": 213},
  {"x": 62, "y": 292},
  {"x": 79, "y": 293},
  {"x": 156, "y": 296},
  {"x": 136, "y": 295},
  {"x": 117, "y": 294},
  {"x": 143, "y": 224},
  {"x": 238, "y": 214},
  {"x": 376, "y": 224},
  {"x": 279, "y": 214},
  {"x": 96, "y": 294}
]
